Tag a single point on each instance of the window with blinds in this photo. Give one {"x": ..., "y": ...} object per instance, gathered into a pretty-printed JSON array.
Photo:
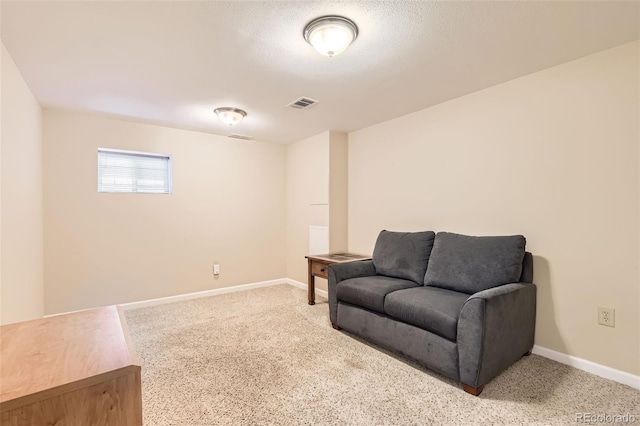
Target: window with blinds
[{"x": 130, "y": 171}]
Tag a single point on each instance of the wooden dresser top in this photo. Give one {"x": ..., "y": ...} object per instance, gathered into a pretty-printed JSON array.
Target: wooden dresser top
[{"x": 62, "y": 353}]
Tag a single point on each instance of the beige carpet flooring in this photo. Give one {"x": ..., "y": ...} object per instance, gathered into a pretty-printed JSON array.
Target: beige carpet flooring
[{"x": 265, "y": 357}]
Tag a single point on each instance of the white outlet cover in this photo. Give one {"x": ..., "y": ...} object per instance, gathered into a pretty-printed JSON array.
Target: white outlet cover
[{"x": 607, "y": 316}]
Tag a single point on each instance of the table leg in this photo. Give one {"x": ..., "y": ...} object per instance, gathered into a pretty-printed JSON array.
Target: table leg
[{"x": 311, "y": 286}]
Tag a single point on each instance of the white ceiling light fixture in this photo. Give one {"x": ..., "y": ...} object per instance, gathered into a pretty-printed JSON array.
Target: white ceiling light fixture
[
  {"x": 230, "y": 115},
  {"x": 330, "y": 35}
]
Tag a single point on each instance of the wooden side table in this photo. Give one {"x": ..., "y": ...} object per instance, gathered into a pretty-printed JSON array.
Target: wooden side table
[
  {"x": 319, "y": 267},
  {"x": 72, "y": 369}
]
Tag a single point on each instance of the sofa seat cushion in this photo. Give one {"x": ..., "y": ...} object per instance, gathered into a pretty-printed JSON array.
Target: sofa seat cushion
[
  {"x": 430, "y": 308},
  {"x": 472, "y": 264},
  {"x": 369, "y": 292},
  {"x": 403, "y": 254}
]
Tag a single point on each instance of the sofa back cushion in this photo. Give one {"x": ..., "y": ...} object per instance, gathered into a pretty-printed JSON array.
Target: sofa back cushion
[
  {"x": 472, "y": 264},
  {"x": 403, "y": 254},
  {"x": 527, "y": 268}
]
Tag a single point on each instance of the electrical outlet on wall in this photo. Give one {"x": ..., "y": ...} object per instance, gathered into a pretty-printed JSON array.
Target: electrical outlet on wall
[
  {"x": 216, "y": 268},
  {"x": 607, "y": 316}
]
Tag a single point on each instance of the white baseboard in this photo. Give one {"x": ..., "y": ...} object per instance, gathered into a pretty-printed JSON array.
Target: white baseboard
[
  {"x": 589, "y": 366},
  {"x": 304, "y": 286},
  {"x": 215, "y": 291},
  {"x": 573, "y": 361},
  {"x": 205, "y": 293}
]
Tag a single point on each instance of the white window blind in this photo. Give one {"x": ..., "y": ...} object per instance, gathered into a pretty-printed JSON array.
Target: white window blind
[{"x": 130, "y": 171}]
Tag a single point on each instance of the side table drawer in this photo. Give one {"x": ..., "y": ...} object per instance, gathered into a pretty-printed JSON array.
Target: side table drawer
[{"x": 320, "y": 269}]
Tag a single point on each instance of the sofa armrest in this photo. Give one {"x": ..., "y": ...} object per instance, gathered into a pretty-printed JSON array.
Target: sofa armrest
[
  {"x": 344, "y": 271},
  {"x": 496, "y": 327}
]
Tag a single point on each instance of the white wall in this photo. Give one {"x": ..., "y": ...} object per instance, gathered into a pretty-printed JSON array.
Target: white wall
[
  {"x": 21, "y": 263},
  {"x": 553, "y": 156},
  {"x": 228, "y": 204},
  {"x": 338, "y": 191},
  {"x": 307, "y": 199}
]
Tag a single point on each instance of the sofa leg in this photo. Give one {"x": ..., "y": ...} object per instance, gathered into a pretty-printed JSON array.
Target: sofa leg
[
  {"x": 473, "y": 391},
  {"x": 336, "y": 326},
  {"x": 527, "y": 354}
]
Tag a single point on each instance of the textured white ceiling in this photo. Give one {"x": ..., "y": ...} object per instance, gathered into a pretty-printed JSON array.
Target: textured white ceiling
[{"x": 172, "y": 62}]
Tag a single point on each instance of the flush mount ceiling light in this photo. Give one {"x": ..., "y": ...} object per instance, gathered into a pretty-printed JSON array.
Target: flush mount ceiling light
[
  {"x": 330, "y": 35},
  {"x": 230, "y": 115}
]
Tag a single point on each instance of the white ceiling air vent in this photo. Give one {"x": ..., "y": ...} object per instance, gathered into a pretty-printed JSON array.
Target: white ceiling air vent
[
  {"x": 302, "y": 103},
  {"x": 243, "y": 137}
]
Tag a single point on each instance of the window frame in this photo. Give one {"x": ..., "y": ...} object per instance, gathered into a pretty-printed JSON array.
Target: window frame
[{"x": 168, "y": 157}]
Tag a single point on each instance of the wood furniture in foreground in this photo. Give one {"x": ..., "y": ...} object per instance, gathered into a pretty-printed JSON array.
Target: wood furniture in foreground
[
  {"x": 71, "y": 369},
  {"x": 318, "y": 265}
]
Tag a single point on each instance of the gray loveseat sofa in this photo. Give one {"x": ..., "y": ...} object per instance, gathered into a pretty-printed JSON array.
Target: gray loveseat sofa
[{"x": 462, "y": 306}]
